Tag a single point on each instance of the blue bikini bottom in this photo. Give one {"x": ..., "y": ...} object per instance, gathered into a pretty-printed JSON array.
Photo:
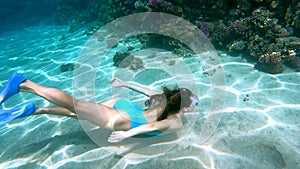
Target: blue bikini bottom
[{"x": 135, "y": 114}]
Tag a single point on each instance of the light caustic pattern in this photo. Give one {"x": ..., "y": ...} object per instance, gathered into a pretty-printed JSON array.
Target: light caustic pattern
[{"x": 258, "y": 126}]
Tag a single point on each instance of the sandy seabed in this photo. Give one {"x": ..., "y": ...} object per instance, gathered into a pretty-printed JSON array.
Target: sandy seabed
[{"x": 258, "y": 127}]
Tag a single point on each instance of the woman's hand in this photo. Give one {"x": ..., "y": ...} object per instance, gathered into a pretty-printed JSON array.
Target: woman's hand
[
  {"x": 118, "y": 82},
  {"x": 117, "y": 136}
]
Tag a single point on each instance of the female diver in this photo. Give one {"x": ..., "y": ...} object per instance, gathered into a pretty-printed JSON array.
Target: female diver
[{"x": 124, "y": 118}]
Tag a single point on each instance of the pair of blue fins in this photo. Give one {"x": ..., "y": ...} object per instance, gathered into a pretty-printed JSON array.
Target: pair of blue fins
[{"x": 9, "y": 89}]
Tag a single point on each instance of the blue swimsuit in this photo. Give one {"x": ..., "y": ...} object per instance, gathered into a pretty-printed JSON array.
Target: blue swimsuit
[{"x": 135, "y": 113}]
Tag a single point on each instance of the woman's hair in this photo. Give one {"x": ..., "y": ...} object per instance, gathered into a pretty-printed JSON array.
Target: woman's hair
[{"x": 172, "y": 100}]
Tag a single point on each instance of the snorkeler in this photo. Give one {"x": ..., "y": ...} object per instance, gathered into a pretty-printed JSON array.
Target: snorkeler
[{"x": 163, "y": 115}]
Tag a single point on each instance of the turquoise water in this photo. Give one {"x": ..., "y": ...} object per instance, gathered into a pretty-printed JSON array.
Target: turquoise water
[{"x": 258, "y": 127}]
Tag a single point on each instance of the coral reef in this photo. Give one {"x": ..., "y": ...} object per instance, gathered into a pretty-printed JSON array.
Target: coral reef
[
  {"x": 270, "y": 41},
  {"x": 257, "y": 28}
]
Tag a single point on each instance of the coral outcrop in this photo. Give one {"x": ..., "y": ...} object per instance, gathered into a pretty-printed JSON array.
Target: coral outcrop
[{"x": 271, "y": 63}]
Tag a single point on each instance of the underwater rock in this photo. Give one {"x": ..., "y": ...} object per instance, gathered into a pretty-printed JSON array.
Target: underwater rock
[
  {"x": 111, "y": 42},
  {"x": 122, "y": 59},
  {"x": 271, "y": 63},
  {"x": 67, "y": 67},
  {"x": 272, "y": 58},
  {"x": 269, "y": 68},
  {"x": 136, "y": 64}
]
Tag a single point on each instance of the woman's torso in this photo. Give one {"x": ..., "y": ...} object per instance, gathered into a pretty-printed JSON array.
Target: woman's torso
[{"x": 133, "y": 116}]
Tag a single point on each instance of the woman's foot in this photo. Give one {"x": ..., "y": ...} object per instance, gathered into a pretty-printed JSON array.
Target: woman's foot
[
  {"x": 11, "y": 87},
  {"x": 17, "y": 112}
]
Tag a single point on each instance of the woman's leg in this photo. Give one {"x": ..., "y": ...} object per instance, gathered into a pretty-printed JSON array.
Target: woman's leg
[
  {"x": 53, "y": 95},
  {"x": 60, "y": 111},
  {"x": 98, "y": 114}
]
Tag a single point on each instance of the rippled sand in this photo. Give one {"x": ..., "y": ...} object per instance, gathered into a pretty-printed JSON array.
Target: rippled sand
[{"x": 258, "y": 127}]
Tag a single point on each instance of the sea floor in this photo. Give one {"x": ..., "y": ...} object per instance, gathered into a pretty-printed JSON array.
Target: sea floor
[{"x": 258, "y": 126}]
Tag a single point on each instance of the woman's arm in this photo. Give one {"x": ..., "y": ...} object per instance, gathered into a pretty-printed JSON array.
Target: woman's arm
[
  {"x": 119, "y": 83},
  {"x": 166, "y": 126}
]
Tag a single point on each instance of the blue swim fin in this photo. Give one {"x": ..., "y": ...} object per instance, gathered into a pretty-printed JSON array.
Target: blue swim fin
[
  {"x": 17, "y": 112},
  {"x": 11, "y": 87}
]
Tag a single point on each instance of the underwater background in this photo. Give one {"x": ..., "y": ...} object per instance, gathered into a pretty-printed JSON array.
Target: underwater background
[{"x": 257, "y": 42}]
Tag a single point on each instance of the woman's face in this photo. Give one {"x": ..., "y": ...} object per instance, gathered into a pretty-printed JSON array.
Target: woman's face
[
  {"x": 193, "y": 105},
  {"x": 195, "y": 101}
]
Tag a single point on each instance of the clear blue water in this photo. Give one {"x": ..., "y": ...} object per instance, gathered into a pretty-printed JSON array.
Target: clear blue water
[{"x": 258, "y": 127}]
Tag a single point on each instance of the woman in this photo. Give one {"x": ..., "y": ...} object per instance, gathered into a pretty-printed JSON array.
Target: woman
[{"x": 164, "y": 113}]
